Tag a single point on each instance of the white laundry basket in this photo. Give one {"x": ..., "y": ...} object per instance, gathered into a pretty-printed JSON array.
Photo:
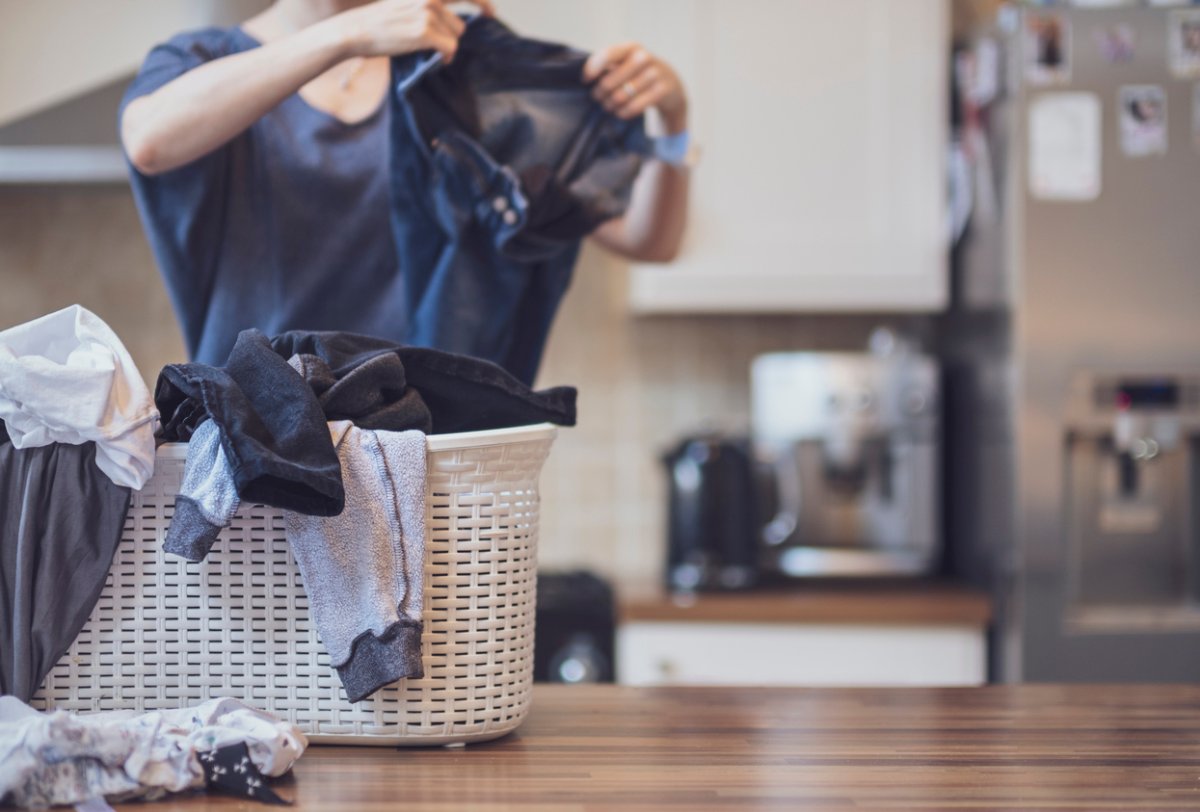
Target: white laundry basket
[{"x": 166, "y": 633}]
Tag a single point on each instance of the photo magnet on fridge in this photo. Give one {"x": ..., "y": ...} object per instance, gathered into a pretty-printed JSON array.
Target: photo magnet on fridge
[
  {"x": 1065, "y": 147},
  {"x": 1046, "y": 43},
  {"x": 1184, "y": 42},
  {"x": 1142, "y": 118},
  {"x": 1116, "y": 42}
]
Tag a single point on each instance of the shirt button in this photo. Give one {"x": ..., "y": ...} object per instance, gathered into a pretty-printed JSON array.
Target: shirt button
[
  {"x": 500, "y": 204},
  {"x": 510, "y": 217}
]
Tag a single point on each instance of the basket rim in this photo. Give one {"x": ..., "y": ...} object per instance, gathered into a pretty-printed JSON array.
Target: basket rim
[{"x": 437, "y": 442}]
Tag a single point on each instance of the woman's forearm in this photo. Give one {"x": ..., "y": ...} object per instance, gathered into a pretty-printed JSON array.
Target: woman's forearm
[
  {"x": 210, "y": 105},
  {"x": 652, "y": 228}
]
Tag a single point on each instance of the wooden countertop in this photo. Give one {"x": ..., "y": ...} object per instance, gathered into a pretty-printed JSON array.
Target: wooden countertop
[
  {"x": 891, "y": 603},
  {"x": 609, "y": 748}
]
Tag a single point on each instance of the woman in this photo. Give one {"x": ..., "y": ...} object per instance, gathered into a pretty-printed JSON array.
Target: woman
[{"x": 259, "y": 157}]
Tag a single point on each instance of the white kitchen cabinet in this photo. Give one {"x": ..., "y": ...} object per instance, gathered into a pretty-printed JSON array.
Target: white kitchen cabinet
[
  {"x": 687, "y": 653},
  {"x": 821, "y": 187},
  {"x": 823, "y": 125}
]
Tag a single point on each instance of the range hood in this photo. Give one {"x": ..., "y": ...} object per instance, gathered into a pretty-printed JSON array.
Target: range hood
[
  {"x": 73, "y": 142},
  {"x": 63, "y": 67}
]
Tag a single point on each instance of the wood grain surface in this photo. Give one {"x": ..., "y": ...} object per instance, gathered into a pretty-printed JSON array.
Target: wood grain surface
[
  {"x": 609, "y": 748},
  {"x": 887, "y": 604}
]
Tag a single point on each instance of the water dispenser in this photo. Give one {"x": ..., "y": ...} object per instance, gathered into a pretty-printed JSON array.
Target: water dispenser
[{"x": 1131, "y": 489}]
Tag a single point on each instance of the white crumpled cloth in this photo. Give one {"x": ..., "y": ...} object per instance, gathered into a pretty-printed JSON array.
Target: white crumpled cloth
[
  {"x": 67, "y": 378},
  {"x": 54, "y": 758}
]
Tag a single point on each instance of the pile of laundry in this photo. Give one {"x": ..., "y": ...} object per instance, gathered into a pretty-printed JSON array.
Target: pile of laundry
[
  {"x": 328, "y": 427},
  {"x": 76, "y": 435}
]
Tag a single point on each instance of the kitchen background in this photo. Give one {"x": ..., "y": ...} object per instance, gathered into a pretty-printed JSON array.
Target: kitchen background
[
  {"x": 851, "y": 176},
  {"x": 643, "y": 380}
]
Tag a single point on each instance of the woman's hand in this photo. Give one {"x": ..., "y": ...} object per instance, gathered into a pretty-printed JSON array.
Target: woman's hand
[
  {"x": 393, "y": 27},
  {"x": 631, "y": 80}
]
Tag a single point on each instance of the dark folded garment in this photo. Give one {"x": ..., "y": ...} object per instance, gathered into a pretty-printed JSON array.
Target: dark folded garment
[
  {"x": 373, "y": 395},
  {"x": 272, "y": 421},
  {"x": 461, "y": 393},
  {"x": 272, "y": 426}
]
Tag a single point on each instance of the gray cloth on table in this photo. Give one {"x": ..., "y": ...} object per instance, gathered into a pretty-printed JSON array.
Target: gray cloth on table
[
  {"x": 60, "y": 524},
  {"x": 363, "y": 570}
]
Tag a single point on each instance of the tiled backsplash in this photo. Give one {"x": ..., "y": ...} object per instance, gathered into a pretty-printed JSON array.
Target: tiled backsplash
[
  {"x": 643, "y": 381},
  {"x": 65, "y": 246}
]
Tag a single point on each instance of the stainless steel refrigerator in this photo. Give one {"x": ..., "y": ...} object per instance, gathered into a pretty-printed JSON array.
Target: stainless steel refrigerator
[{"x": 1076, "y": 327}]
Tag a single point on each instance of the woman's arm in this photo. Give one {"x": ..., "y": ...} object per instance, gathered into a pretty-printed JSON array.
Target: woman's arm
[
  {"x": 631, "y": 81},
  {"x": 651, "y": 230},
  {"x": 210, "y": 105}
]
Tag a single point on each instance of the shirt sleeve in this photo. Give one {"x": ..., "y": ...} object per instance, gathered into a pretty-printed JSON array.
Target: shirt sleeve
[
  {"x": 183, "y": 210},
  {"x": 171, "y": 59}
]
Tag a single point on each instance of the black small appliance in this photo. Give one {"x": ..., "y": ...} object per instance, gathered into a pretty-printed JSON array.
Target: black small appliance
[
  {"x": 711, "y": 514},
  {"x": 575, "y": 629}
]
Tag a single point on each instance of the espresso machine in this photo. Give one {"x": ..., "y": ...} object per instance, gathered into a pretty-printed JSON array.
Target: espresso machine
[{"x": 853, "y": 442}]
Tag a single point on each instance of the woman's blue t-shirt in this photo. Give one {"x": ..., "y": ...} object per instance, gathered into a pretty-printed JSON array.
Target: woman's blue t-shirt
[{"x": 284, "y": 227}]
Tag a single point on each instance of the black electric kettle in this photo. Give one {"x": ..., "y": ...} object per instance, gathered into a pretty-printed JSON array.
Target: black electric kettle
[{"x": 712, "y": 525}]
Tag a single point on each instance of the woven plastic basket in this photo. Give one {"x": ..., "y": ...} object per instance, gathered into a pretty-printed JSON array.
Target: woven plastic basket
[{"x": 166, "y": 633}]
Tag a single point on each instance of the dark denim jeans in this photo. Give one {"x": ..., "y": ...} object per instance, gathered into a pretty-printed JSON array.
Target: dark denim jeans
[
  {"x": 272, "y": 426},
  {"x": 501, "y": 164}
]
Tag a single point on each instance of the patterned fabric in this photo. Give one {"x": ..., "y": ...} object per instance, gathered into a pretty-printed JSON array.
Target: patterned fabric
[
  {"x": 230, "y": 770},
  {"x": 48, "y": 759}
]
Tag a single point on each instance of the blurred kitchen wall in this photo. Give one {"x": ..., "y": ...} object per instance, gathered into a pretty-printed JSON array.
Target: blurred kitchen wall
[
  {"x": 63, "y": 66},
  {"x": 53, "y": 50},
  {"x": 644, "y": 382},
  {"x": 967, "y": 15},
  {"x": 60, "y": 246}
]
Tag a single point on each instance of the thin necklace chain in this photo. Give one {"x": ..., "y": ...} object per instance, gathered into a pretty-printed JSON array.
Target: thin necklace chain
[{"x": 345, "y": 81}]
